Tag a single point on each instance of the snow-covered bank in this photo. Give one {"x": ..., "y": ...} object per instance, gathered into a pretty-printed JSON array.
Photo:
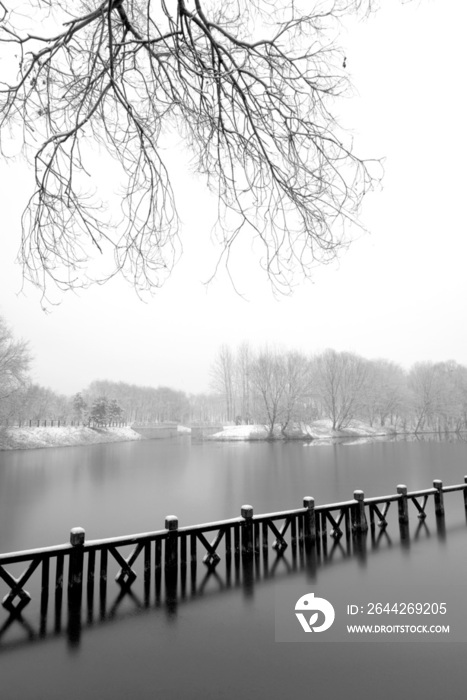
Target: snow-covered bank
[
  {"x": 318, "y": 430},
  {"x": 30, "y": 438}
]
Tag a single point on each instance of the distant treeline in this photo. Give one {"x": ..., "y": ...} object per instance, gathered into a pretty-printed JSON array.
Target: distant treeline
[
  {"x": 269, "y": 386},
  {"x": 283, "y": 388},
  {"x": 102, "y": 403},
  {"x": 105, "y": 402}
]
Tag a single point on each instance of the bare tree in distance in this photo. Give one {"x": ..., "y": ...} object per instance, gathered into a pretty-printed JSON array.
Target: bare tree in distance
[
  {"x": 340, "y": 381},
  {"x": 223, "y": 379},
  {"x": 424, "y": 386},
  {"x": 282, "y": 381},
  {"x": 269, "y": 382},
  {"x": 385, "y": 392},
  {"x": 439, "y": 396},
  {"x": 15, "y": 359},
  {"x": 298, "y": 389},
  {"x": 243, "y": 361},
  {"x": 249, "y": 85}
]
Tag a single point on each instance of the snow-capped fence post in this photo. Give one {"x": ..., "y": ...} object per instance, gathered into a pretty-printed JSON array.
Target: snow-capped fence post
[
  {"x": 310, "y": 519},
  {"x": 439, "y": 500},
  {"x": 76, "y": 564},
  {"x": 247, "y": 529},
  {"x": 171, "y": 542},
  {"x": 360, "y": 523},
  {"x": 403, "y": 504}
]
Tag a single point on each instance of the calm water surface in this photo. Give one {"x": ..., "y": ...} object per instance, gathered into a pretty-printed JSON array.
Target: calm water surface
[{"x": 217, "y": 639}]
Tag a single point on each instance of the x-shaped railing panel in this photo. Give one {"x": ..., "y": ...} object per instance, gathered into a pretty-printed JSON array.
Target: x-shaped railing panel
[
  {"x": 420, "y": 508},
  {"x": 280, "y": 544},
  {"x": 211, "y": 559},
  {"x": 126, "y": 576},
  {"x": 336, "y": 529},
  {"x": 16, "y": 586},
  {"x": 381, "y": 515}
]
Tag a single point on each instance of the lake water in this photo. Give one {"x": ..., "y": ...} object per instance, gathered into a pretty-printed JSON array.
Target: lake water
[{"x": 217, "y": 639}]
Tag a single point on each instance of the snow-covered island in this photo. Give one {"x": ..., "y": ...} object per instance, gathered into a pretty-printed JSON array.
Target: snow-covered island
[{"x": 318, "y": 430}]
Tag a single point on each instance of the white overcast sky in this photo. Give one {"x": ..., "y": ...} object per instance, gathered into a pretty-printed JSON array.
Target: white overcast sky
[{"x": 398, "y": 293}]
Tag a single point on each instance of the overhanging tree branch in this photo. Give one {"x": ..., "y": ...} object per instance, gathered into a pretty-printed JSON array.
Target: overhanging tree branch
[{"x": 253, "y": 105}]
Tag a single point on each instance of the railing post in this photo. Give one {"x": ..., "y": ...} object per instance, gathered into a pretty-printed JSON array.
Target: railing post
[
  {"x": 403, "y": 504},
  {"x": 75, "y": 572},
  {"x": 310, "y": 519},
  {"x": 360, "y": 523},
  {"x": 171, "y": 542},
  {"x": 247, "y": 530},
  {"x": 465, "y": 492},
  {"x": 439, "y": 500}
]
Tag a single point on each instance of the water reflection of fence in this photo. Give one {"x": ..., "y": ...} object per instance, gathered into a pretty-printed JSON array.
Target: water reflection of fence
[{"x": 168, "y": 558}]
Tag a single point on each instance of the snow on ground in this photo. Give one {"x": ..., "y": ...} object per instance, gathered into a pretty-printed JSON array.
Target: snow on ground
[
  {"x": 29, "y": 438},
  {"x": 356, "y": 428},
  {"x": 241, "y": 432},
  {"x": 318, "y": 430}
]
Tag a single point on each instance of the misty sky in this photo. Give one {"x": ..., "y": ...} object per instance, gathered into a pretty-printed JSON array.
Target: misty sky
[{"x": 398, "y": 293}]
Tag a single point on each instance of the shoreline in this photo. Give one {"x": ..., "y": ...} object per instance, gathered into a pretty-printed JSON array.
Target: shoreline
[
  {"x": 317, "y": 433},
  {"x": 67, "y": 436}
]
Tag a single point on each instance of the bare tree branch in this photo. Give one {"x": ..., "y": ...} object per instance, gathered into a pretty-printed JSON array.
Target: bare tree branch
[{"x": 251, "y": 87}]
